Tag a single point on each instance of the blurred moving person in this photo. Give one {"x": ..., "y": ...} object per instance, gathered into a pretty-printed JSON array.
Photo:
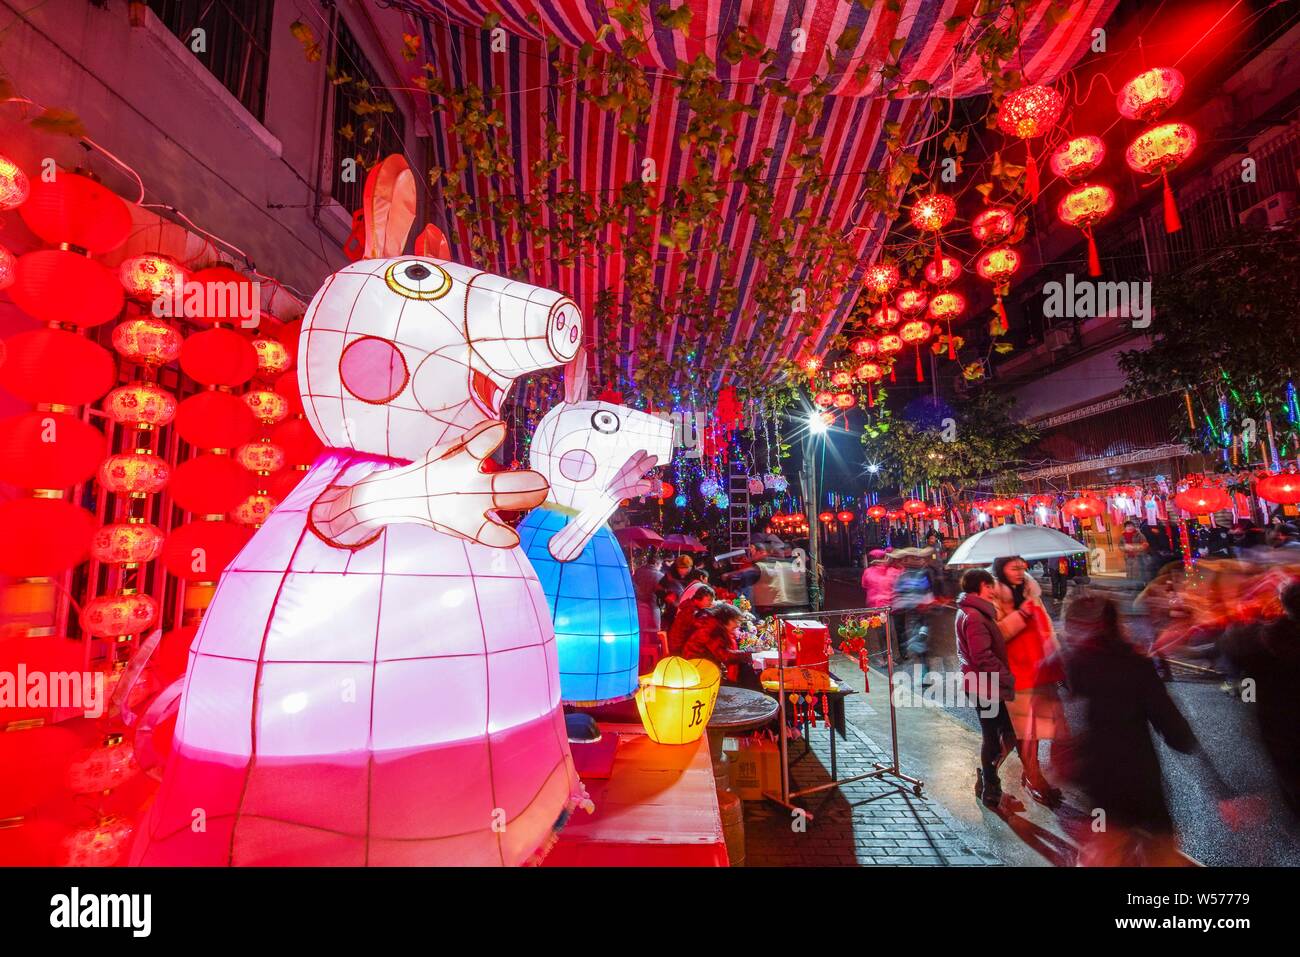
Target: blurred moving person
[{"x": 986, "y": 677}]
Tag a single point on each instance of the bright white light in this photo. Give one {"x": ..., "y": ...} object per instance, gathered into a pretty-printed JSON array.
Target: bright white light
[
  {"x": 816, "y": 424},
  {"x": 873, "y": 468},
  {"x": 294, "y": 703}
]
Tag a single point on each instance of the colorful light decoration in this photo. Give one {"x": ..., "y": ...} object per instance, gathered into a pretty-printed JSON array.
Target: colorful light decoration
[
  {"x": 912, "y": 302},
  {"x": 993, "y": 224},
  {"x": 914, "y": 333},
  {"x": 998, "y": 266},
  {"x": 127, "y": 543},
  {"x": 881, "y": 278},
  {"x": 1158, "y": 150},
  {"x": 943, "y": 273},
  {"x": 1077, "y": 157},
  {"x": 14, "y": 185},
  {"x": 137, "y": 473},
  {"x": 842, "y": 379},
  {"x": 930, "y": 214},
  {"x": 150, "y": 275},
  {"x": 945, "y": 307},
  {"x": 1028, "y": 113},
  {"x": 1149, "y": 93},
  {"x": 811, "y": 365},
  {"x": 1083, "y": 207},
  {"x": 676, "y": 701},
  {"x": 147, "y": 341},
  {"x": 141, "y": 405}
]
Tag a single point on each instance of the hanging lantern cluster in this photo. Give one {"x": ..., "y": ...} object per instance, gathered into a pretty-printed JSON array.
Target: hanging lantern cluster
[{"x": 930, "y": 214}]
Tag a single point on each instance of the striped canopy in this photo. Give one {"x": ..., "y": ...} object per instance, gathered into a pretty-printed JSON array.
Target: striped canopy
[{"x": 934, "y": 41}]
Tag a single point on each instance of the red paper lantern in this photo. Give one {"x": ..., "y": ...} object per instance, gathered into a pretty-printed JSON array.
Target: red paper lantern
[
  {"x": 228, "y": 296},
  {"x": 41, "y": 757},
  {"x": 863, "y": 347},
  {"x": 914, "y": 506},
  {"x": 1149, "y": 93},
  {"x": 103, "y": 843},
  {"x": 945, "y": 307},
  {"x": 1158, "y": 150},
  {"x": 869, "y": 372},
  {"x": 1003, "y": 506},
  {"x": 1077, "y": 157},
  {"x": 287, "y": 386},
  {"x": 944, "y": 272},
  {"x": 200, "y": 551},
  {"x": 932, "y": 212},
  {"x": 889, "y": 344},
  {"x": 994, "y": 224},
  {"x": 1042, "y": 501},
  {"x": 73, "y": 208},
  {"x": 272, "y": 357},
  {"x": 210, "y": 484},
  {"x": 56, "y": 366},
  {"x": 127, "y": 543},
  {"x": 260, "y": 457},
  {"x": 46, "y": 655},
  {"x": 1202, "y": 500},
  {"x": 877, "y": 512},
  {"x": 998, "y": 266},
  {"x": 219, "y": 357},
  {"x": 885, "y": 317},
  {"x": 845, "y": 400},
  {"x": 936, "y": 511},
  {"x": 215, "y": 420},
  {"x": 48, "y": 450},
  {"x": 881, "y": 277},
  {"x": 134, "y": 473},
  {"x": 826, "y": 517},
  {"x": 1284, "y": 489},
  {"x": 1085, "y": 506},
  {"x": 845, "y": 517},
  {"x": 147, "y": 341},
  {"x": 1028, "y": 113},
  {"x": 811, "y": 365},
  {"x": 8, "y": 268},
  {"x": 150, "y": 275},
  {"x": 103, "y": 767},
  {"x": 55, "y": 285},
  {"x": 286, "y": 480},
  {"x": 142, "y": 405},
  {"x": 824, "y": 399},
  {"x": 842, "y": 378},
  {"x": 912, "y": 302},
  {"x": 301, "y": 445},
  {"x": 1084, "y": 207},
  {"x": 47, "y": 536},
  {"x": 288, "y": 335},
  {"x": 113, "y": 616},
  {"x": 14, "y": 185},
  {"x": 267, "y": 405},
  {"x": 254, "y": 510},
  {"x": 915, "y": 332}
]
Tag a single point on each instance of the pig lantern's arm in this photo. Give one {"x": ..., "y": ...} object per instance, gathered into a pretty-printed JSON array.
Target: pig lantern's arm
[
  {"x": 445, "y": 491},
  {"x": 568, "y": 543}
]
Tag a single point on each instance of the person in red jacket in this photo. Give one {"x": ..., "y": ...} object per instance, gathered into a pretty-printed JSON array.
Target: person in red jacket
[
  {"x": 714, "y": 638},
  {"x": 986, "y": 675},
  {"x": 695, "y": 599}
]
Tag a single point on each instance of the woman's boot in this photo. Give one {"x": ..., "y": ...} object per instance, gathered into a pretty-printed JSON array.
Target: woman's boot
[{"x": 991, "y": 794}]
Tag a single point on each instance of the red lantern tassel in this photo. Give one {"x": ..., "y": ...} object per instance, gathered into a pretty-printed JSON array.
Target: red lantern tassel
[
  {"x": 952, "y": 347},
  {"x": 871, "y": 399},
  {"x": 892, "y": 377},
  {"x": 1094, "y": 260},
  {"x": 1031, "y": 172},
  {"x": 920, "y": 376},
  {"x": 1172, "y": 221},
  {"x": 1001, "y": 311},
  {"x": 938, "y": 257}
]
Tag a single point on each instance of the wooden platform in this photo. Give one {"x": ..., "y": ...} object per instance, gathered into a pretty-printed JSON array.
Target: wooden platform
[{"x": 658, "y": 808}]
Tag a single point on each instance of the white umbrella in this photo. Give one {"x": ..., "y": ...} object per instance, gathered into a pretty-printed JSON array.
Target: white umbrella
[{"x": 1030, "y": 542}]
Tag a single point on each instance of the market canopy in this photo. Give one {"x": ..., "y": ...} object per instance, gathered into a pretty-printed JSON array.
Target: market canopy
[{"x": 708, "y": 180}]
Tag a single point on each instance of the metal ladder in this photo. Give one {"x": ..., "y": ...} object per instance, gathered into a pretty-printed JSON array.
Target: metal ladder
[{"x": 738, "y": 506}]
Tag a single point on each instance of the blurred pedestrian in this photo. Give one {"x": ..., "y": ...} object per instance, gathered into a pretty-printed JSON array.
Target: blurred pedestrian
[
  {"x": 1135, "y": 548},
  {"x": 677, "y": 575},
  {"x": 878, "y": 586},
  {"x": 696, "y": 597},
  {"x": 986, "y": 677}
]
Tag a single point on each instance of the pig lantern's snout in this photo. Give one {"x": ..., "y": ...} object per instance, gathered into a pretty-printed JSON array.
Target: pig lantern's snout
[{"x": 564, "y": 330}]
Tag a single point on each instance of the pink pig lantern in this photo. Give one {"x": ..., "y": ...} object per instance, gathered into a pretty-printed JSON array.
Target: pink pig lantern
[{"x": 376, "y": 681}]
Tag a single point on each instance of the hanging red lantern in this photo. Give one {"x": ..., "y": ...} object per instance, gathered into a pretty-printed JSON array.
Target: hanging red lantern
[
  {"x": 824, "y": 400},
  {"x": 993, "y": 224},
  {"x": 228, "y": 296},
  {"x": 877, "y": 512},
  {"x": 55, "y": 285},
  {"x": 115, "y": 616},
  {"x": 881, "y": 278},
  {"x": 300, "y": 443},
  {"x": 47, "y": 535},
  {"x": 210, "y": 484},
  {"x": 863, "y": 347},
  {"x": 142, "y": 405},
  {"x": 912, "y": 302},
  {"x": 146, "y": 340},
  {"x": 945, "y": 307},
  {"x": 1158, "y": 150},
  {"x": 267, "y": 405},
  {"x": 1003, "y": 506},
  {"x": 1203, "y": 499},
  {"x": 930, "y": 214},
  {"x": 914, "y": 506},
  {"x": 287, "y": 386},
  {"x": 1028, "y": 113},
  {"x": 1084, "y": 207},
  {"x": 1284, "y": 489},
  {"x": 219, "y": 357},
  {"x": 914, "y": 333},
  {"x": 260, "y": 457},
  {"x": 1077, "y": 157},
  {"x": 254, "y": 510},
  {"x": 1085, "y": 506},
  {"x": 127, "y": 543},
  {"x": 870, "y": 373},
  {"x": 936, "y": 511},
  {"x": 14, "y": 185},
  {"x": 885, "y": 317},
  {"x": 8, "y": 268},
  {"x": 811, "y": 365},
  {"x": 134, "y": 473},
  {"x": 200, "y": 551},
  {"x": 826, "y": 517},
  {"x": 272, "y": 357},
  {"x": 103, "y": 843},
  {"x": 104, "y": 767},
  {"x": 1042, "y": 501},
  {"x": 998, "y": 266},
  {"x": 842, "y": 378},
  {"x": 48, "y": 450},
  {"x": 73, "y": 208},
  {"x": 886, "y": 346},
  {"x": 55, "y": 366},
  {"x": 150, "y": 275},
  {"x": 1149, "y": 93},
  {"x": 943, "y": 273},
  {"x": 215, "y": 420},
  {"x": 666, "y": 490},
  {"x": 845, "y": 400},
  {"x": 845, "y": 517}
]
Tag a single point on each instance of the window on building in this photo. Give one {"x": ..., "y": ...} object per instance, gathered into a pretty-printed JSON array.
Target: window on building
[
  {"x": 367, "y": 124},
  {"x": 234, "y": 43}
]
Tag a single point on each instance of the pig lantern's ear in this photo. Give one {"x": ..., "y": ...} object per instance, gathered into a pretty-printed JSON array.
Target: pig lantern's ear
[
  {"x": 575, "y": 378},
  {"x": 389, "y": 207},
  {"x": 432, "y": 243}
]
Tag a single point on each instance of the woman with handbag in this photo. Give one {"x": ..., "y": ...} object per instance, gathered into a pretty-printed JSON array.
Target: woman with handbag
[{"x": 1037, "y": 713}]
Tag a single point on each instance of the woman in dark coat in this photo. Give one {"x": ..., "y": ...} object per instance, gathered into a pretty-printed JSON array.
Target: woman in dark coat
[{"x": 986, "y": 677}]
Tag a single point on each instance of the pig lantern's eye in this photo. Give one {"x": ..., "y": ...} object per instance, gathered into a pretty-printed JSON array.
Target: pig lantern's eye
[
  {"x": 602, "y": 420},
  {"x": 415, "y": 279}
]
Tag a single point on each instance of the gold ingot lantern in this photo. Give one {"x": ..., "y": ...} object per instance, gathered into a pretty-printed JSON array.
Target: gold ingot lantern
[{"x": 677, "y": 700}]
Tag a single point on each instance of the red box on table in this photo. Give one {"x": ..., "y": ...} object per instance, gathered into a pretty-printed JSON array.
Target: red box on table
[{"x": 810, "y": 640}]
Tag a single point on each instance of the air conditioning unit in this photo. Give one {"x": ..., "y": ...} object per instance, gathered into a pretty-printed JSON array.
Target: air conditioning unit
[{"x": 1270, "y": 212}]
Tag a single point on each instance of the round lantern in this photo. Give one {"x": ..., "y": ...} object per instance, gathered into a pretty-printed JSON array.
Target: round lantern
[
  {"x": 1085, "y": 506},
  {"x": 826, "y": 517},
  {"x": 845, "y": 517},
  {"x": 210, "y": 484},
  {"x": 842, "y": 378},
  {"x": 863, "y": 347},
  {"x": 8, "y": 268},
  {"x": 1158, "y": 150},
  {"x": 300, "y": 443},
  {"x": 1203, "y": 500},
  {"x": 100, "y": 844},
  {"x": 1149, "y": 93},
  {"x": 993, "y": 224},
  {"x": 147, "y": 341},
  {"x": 260, "y": 457},
  {"x": 944, "y": 272},
  {"x": 272, "y": 357},
  {"x": 1002, "y": 506},
  {"x": 150, "y": 275},
  {"x": 1077, "y": 157},
  {"x": 912, "y": 302},
  {"x": 48, "y": 450},
  {"x": 811, "y": 365},
  {"x": 885, "y": 317},
  {"x": 73, "y": 208},
  {"x": 945, "y": 307},
  {"x": 936, "y": 511},
  {"x": 914, "y": 506},
  {"x": 254, "y": 510},
  {"x": 881, "y": 278},
  {"x": 55, "y": 285},
  {"x": 14, "y": 185},
  {"x": 1028, "y": 113},
  {"x": 228, "y": 296},
  {"x": 870, "y": 373},
  {"x": 1284, "y": 489},
  {"x": 200, "y": 551},
  {"x": 47, "y": 536},
  {"x": 888, "y": 345},
  {"x": 1084, "y": 207},
  {"x": 219, "y": 357},
  {"x": 142, "y": 405},
  {"x": 676, "y": 700},
  {"x": 877, "y": 512},
  {"x": 127, "y": 543},
  {"x": 104, "y": 767},
  {"x": 914, "y": 333},
  {"x": 998, "y": 266},
  {"x": 930, "y": 214},
  {"x": 845, "y": 400},
  {"x": 215, "y": 420},
  {"x": 287, "y": 386},
  {"x": 824, "y": 400},
  {"x": 1042, "y": 501},
  {"x": 114, "y": 616},
  {"x": 267, "y": 405},
  {"x": 134, "y": 473}
]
